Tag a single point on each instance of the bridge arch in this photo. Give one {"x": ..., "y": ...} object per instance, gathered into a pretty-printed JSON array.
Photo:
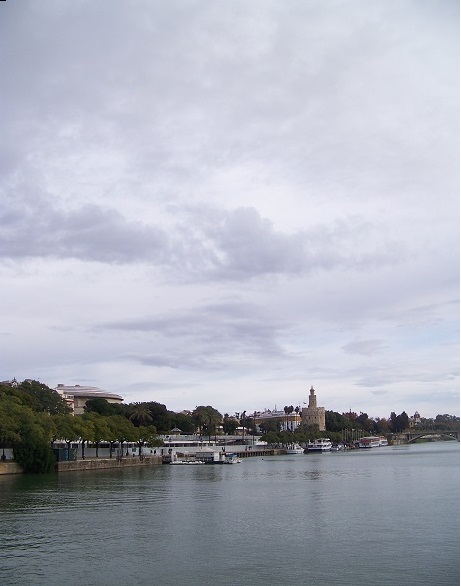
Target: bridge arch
[{"x": 451, "y": 435}]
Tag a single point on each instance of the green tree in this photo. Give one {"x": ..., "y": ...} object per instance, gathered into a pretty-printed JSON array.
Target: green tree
[
  {"x": 85, "y": 430},
  {"x": 9, "y": 421},
  {"x": 305, "y": 433},
  {"x": 161, "y": 417},
  {"x": 272, "y": 424},
  {"x": 66, "y": 430},
  {"x": 399, "y": 423},
  {"x": 100, "y": 406},
  {"x": 230, "y": 424},
  {"x": 100, "y": 428},
  {"x": 273, "y": 438},
  {"x": 34, "y": 454},
  {"x": 147, "y": 436},
  {"x": 121, "y": 430},
  {"x": 336, "y": 422},
  {"x": 29, "y": 433},
  {"x": 140, "y": 414},
  {"x": 206, "y": 419},
  {"x": 45, "y": 399},
  {"x": 182, "y": 421}
]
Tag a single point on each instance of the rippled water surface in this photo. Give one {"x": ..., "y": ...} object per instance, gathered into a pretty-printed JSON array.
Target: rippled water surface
[{"x": 381, "y": 517}]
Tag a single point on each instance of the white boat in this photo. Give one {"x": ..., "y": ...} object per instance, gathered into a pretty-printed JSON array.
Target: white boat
[
  {"x": 337, "y": 448},
  {"x": 188, "y": 462},
  {"x": 369, "y": 442},
  {"x": 383, "y": 441},
  {"x": 322, "y": 444},
  {"x": 232, "y": 459},
  {"x": 295, "y": 449}
]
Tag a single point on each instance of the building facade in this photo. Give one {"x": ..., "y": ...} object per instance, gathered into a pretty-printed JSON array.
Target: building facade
[
  {"x": 285, "y": 421},
  {"x": 76, "y": 396},
  {"x": 313, "y": 415}
]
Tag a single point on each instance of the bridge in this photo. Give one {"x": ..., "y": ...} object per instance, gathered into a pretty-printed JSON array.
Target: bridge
[{"x": 413, "y": 435}]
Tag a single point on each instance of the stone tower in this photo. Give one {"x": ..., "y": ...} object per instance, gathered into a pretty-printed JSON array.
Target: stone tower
[{"x": 313, "y": 415}]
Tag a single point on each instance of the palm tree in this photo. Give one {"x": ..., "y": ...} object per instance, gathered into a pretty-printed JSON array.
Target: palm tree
[
  {"x": 287, "y": 410},
  {"x": 140, "y": 414}
]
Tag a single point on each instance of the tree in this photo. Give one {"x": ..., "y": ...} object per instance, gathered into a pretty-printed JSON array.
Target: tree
[
  {"x": 183, "y": 421},
  {"x": 336, "y": 422},
  {"x": 139, "y": 414},
  {"x": 100, "y": 406},
  {"x": 100, "y": 429},
  {"x": 85, "y": 430},
  {"x": 399, "y": 423},
  {"x": 45, "y": 399},
  {"x": 230, "y": 424},
  {"x": 206, "y": 419},
  {"x": 147, "y": 436},
  {"x": 305, "y": 433},
  {"x": 66, "y": 430},
  {"x": 34, "y": 454},
  {"x": 120, "y": 429},
  {"x": 161, "y": 417},
  {"x": 272, "y": 424},
  {"x": 28, "y": 432},
  {"x": 272, "y": 438},
  {"x": 9, "y": 421}
]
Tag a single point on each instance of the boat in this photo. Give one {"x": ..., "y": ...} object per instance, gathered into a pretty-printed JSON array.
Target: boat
[
  {"x": 336, "y": 448},
  {"x": 232, "y": 459},
  {"x": 369, "y": 442},
  {"x": 383, "y": 441},
  {"x": 188, "y": 462},
  {"x": 294, "y": 449},
  {"x": 322, "y": 444}
]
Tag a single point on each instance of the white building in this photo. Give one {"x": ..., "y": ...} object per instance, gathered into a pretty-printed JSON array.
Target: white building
[{"x": 76, "y": 396}]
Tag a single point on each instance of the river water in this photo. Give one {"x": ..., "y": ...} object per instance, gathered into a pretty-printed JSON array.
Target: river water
[{"x": 384, "y": 516}]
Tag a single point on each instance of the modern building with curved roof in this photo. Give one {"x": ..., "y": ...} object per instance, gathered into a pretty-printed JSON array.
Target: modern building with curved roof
[{"x": 77, "y": 396}]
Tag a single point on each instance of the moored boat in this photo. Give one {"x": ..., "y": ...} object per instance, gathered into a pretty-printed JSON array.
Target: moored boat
[
  {"x": 336, "y": 448},
  {"x": 232, "y": 459},
  {"x": 294, "y": 449},
  {"x": 322, "y": 444},
  {"x": 188, "y": 462},
  {"x": 369, "y": 442}
]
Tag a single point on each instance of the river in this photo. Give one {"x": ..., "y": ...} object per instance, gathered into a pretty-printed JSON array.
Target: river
[{"x": 377, "y": 517}]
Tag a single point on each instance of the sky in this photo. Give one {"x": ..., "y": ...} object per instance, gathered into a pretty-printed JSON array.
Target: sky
[{"x": 226, "y": 203}]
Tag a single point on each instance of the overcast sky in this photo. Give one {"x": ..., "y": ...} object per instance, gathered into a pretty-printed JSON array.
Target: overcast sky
[{"x": 224, "y": 203}]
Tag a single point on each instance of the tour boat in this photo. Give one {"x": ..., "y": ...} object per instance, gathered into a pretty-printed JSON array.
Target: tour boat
[
  {"x": 294, "y": 449},
  {"x": 322, "y": 444},
  {"x": 369, "y": 442}
]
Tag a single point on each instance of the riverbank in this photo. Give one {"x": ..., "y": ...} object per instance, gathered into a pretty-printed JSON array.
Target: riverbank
[{"x": 88, "y": 464}]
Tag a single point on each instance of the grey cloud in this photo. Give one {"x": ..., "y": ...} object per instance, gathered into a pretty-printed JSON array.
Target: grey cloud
[
  {"x": 211, "y": 335},
  {"x": 90, "y": 233},
  {"x": 364, "y": 347},
  {"x": 198, "y": 243}
]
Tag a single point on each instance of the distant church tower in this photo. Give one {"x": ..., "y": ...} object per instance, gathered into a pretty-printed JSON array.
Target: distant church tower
[{"x": 313, "y": 415}]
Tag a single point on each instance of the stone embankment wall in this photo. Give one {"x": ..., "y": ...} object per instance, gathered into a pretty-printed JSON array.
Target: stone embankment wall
[
  {"x": 10, "y": 468},
  {"x": 103, "y": 464},
  {"x": 93, "y": 464}
]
